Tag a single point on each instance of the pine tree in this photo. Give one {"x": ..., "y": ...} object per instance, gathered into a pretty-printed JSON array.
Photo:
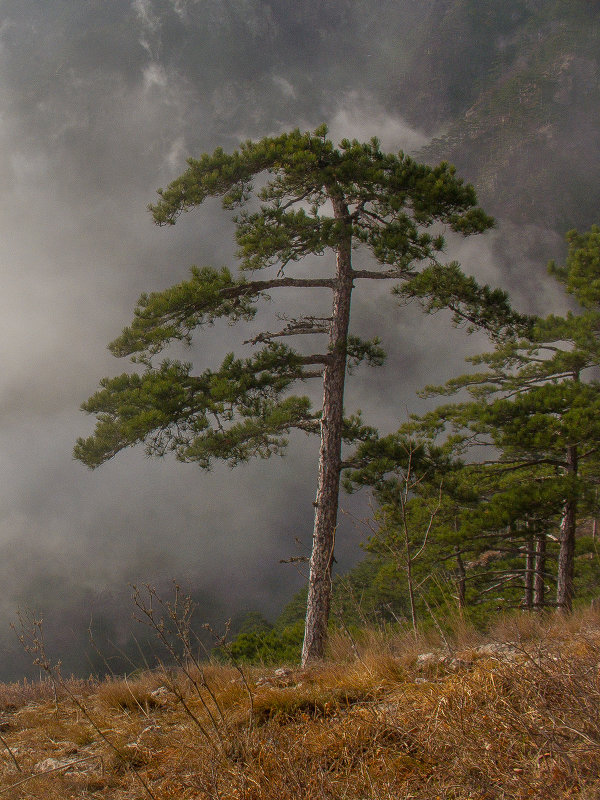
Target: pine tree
[
  {"x": 538, "y": 404},
  {"x": 478, "y": 528},
  {"x": 504, "y": 533},
  {"x": 317, "y": 199}
]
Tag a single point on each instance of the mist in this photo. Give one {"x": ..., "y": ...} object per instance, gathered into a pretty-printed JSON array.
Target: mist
[{"x": 101, "y": 102}]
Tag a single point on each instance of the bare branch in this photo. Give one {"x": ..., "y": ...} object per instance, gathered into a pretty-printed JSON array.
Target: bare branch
[
  {"x": 312, "y": 374},
  {"x": 432, "y": 517},
  {"x": 317, "y": 358},
  {"x": 358, "y": 210},
  {"x": 375, "y": 216},
  {"x": 389, "y": 274},
  {"x": 294, "y": 200},
  {"x": 294, "y": 560},
  {"x": 250, "y": 288},
  {"x": 513, "y": 466},
  {"x": 295, "y": 327}
]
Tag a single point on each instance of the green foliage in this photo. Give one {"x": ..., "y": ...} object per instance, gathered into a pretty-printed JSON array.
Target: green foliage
[
  {"x": 173, "y": 314},
  {"x": 587, "y": 570},
  {"x": 172, "y": 410},
  {"x": 294, "y": 611},
  {"x": 373, "y": 593},
  {"x": 315, "y": 199},
  {"x": 309, "y": 166},
  {"x": 275, "y": 646},
  {"x": 250, "y": 622},
  {"x": 512, "y": 459},
  {"x": 359, "y": 350},
  {"x": 245, "y": 408},
  {"x": 438, "y": 287},
  {"x": 581, "y": 276}
]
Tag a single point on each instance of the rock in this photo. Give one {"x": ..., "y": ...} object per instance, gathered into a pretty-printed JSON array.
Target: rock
[
  {"x": 53, "y": 764},
  {"x": 162, "y": 691},
  {"x": 282, "y": 672},
  {"x": 505, "y": 652},
  {"x": 427, "y": 659},
  {"x": 282, "y": 678},
  {"x": 67, "y": 748},
  {"x": 153, "y": 727},
  {"x": 161, "y": 696},
  {"x": 457, "y": 664},
  {"x": 265, "y": 681}
]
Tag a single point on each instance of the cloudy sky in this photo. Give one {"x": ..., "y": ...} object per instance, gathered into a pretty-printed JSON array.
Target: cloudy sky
[{"x": 101, "y": 101}]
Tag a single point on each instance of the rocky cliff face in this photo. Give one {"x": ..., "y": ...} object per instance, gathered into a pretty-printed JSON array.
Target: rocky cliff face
[{"x": 511, "y": 92}]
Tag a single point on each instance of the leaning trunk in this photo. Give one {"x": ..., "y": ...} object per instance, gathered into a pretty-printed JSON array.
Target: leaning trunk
[
  {"x": 566, "y": 553},
  {"x": 326, "y": 503}
]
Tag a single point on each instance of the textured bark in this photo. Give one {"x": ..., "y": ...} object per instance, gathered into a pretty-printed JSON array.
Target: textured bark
[
  {"x": 326, "y": 503},
  {"x": 254, "y": 287},
  {"x": 566, "y": 553}
]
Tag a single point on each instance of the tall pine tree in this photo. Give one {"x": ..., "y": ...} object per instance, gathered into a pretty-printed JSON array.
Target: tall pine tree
[{"x": 315, "y": 199}]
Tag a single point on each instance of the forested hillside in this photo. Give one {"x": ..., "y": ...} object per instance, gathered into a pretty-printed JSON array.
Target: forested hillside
[{"x": 512, "y": 92}]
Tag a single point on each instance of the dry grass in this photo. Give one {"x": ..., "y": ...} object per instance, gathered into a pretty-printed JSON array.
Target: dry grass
[
  {"x": 15, "y": 695},
  {"x": 131, "y": 695},
  {"x": 370, "y": 724}
]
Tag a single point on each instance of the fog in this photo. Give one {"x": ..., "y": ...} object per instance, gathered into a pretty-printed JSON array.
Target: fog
[{"x": 101, "y": 101}]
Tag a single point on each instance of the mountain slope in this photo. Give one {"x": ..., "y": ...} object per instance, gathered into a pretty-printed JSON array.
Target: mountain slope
[{"x": 512, "y": 90}]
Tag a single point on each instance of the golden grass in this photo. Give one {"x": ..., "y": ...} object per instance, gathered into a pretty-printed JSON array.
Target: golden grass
[
  {"x": 131, "y": 695},
  {"x": 369, "y": 724}
]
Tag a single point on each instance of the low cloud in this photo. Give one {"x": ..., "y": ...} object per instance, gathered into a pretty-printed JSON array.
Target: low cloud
[
  {"x": 101, "y": 103},
  {"x": 358, "y": 117}
]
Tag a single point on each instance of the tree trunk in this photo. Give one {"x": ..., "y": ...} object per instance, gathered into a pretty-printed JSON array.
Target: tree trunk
[
  {"x": 529, "y": 568},
  {"x": 539, "y": 582},
  {"x": 409, "y": 580},
  {"x": 461, "y": 583},
  {"x": 326, "y": 503},
  {"x": 566, "y": 553}
]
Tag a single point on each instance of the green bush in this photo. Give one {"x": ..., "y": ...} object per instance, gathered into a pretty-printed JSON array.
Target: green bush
[{"x": 274, "y": 646}]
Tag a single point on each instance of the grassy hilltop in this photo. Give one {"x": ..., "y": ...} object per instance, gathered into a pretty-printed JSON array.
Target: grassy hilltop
[{"x": 511, "y": 715}]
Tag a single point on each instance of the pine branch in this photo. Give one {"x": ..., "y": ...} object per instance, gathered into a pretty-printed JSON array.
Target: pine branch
[
  {"x": 514, "y": 466},
  {"x": 390, "y": 274},
  {"x": 295, "y": 327},
  {"x": 317, "y": 358},
  {"x": 253, "y": 288}
]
